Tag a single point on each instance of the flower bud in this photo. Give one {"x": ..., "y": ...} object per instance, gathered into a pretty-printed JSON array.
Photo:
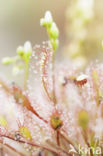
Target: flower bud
[
  {"x": 54, "y": 32},
  {"x": 42, "y": 22},
  {"x": 20, "y": 51},
  {"x": 27, "y": 49},
  {"x": 48, "y": 18},
  {"x": 7, "y": 61}
]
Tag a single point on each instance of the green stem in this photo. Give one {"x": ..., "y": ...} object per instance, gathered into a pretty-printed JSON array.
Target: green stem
[{"x": 53, "y": 69}]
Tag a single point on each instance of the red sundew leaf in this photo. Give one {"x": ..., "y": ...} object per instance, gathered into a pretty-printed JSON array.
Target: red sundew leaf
[
  {"x": 43, "y": 67},
  {"x": 4, "y": 86},
  {"x": 22, "y": 99},
  {"x": 45, "y": 53}
]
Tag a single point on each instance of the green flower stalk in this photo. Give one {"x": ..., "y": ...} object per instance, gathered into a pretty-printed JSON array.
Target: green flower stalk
[
  {"x": 53, "y": 34},
  {"x": 52, "y": 30},
  {"x": 20, "y": 61}
]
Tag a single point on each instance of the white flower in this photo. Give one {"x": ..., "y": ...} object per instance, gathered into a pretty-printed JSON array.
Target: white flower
[
  {"x": 48, "y": 17},
  {"x": 47, "y": 20},
  {"x": 27, "y": 46}
]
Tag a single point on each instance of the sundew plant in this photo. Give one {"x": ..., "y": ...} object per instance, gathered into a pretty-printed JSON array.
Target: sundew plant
[{"x": 59, "y": 111}]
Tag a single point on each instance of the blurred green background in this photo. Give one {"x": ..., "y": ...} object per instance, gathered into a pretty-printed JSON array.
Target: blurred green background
[{"x": 20, "y": 21}]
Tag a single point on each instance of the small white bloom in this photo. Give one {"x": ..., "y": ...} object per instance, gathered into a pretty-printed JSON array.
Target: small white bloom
[
  {"x": 27, "y": 47},
  {"x": 6, "y": 60},
  {"x": 48, "y": 17}
]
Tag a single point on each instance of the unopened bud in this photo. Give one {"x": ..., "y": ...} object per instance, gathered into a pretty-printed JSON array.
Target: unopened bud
[
  {"x": 42, "y": 22},
  {"x": 7, "y": 61},
  {"x": 48, "y": 18},
  {"x": 20, "y": 51},
  {"x": 54, "y": 32},
  {"x": 27, "y": 49}
]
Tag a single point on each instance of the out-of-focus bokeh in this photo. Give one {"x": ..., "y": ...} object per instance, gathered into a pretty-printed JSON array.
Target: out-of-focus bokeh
[
  {"x": 84, "y": 31},
  {"x": 20, "y": 21}
]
